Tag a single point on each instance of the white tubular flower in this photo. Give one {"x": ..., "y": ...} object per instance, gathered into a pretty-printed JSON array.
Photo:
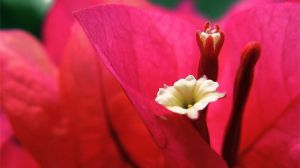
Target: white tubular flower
[{"x": 188, "y": 96}]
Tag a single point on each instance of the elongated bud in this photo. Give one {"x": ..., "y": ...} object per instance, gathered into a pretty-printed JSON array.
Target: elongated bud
[
  {"x": 242, "y": 86},
  {"x": 210, "y": 42}
]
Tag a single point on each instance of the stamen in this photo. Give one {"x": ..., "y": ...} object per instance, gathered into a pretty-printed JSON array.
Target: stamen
[{"x": 242, "y": 85}]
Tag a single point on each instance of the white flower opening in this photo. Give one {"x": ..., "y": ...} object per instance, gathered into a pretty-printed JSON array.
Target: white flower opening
[{"x": 188, "y": 96}]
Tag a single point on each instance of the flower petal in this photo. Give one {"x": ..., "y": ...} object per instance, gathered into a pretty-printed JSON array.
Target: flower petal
[
  {"x": 12, "y": 155},
  {"x": 5, "y": 130},
  {"x": 279, "y": 145},
  {"x": 59, "y": 20},
  {"x": 82, "y": 100},
  {"x": 145, "y": 49},
  {"x": 276, "y": 80},
  {"x": 29, "y": 96},
  {"x": 106, "y": 121}
]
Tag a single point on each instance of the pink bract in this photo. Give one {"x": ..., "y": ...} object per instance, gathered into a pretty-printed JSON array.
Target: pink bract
[
  {"x": 157, "y": 49},
  {"x": 74, "y": 112}
]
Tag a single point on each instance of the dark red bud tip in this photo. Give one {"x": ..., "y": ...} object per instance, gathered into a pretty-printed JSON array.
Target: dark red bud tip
[
  {"x": 242, "y": 86},
  {"x": 250, "y": 54}
]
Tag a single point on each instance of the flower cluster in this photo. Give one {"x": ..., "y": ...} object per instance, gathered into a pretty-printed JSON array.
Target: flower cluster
[{"x": 89, "y": 95}]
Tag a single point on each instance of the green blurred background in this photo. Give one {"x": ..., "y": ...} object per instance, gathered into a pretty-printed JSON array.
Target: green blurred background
[{"x": 29, "y": 14}]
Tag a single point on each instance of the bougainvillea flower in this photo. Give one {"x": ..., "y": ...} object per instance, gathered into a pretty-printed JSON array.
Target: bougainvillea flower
[
  {"x": 145, "y": 49},
  {"x": 50, "y": 109},
  {"x": 83, "y": 117},
  {"x": 71, "y": 129},
  {"x": 63, "y": 114},
  {"x": 61, "y": 106},
  {"x": 25, "y": 66},
  {"x": 82, "y": 110}
]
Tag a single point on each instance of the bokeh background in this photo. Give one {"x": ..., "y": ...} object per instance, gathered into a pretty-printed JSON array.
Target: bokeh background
[{"x": 29, "y": 14}]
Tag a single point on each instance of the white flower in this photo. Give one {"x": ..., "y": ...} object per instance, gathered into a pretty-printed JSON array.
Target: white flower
[{"x": 188, "y": 96}]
